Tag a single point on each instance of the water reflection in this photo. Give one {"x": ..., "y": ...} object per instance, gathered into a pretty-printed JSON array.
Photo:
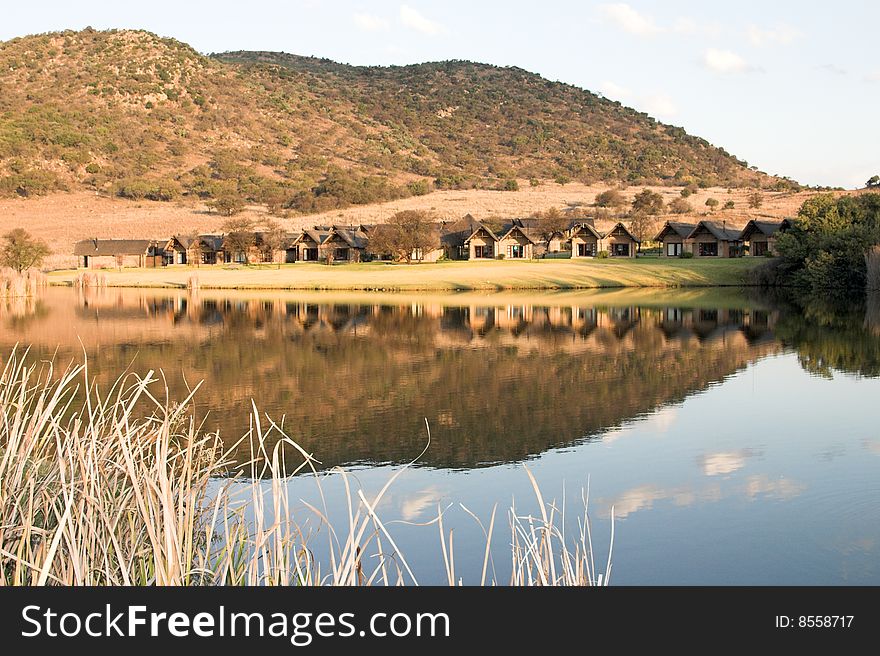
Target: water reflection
[{"x": 499, "y": 380}]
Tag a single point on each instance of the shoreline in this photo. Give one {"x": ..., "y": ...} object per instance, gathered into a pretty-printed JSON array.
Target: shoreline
[{"x": 545, "y": 275}]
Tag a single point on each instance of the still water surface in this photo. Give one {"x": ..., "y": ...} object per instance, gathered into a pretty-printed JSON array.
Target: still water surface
[{"x": 735, "y": 436}]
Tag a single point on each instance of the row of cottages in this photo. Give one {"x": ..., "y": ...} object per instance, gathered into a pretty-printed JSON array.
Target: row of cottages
[
  {"x": 345, "y": 244},
  {"x": 465, "y": 239},
  {"x": 713, "y": 239},
  {"x": 469, "y": 239}
]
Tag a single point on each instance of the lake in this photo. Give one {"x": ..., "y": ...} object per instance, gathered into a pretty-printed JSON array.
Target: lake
[{"x": 733, "y": 434}]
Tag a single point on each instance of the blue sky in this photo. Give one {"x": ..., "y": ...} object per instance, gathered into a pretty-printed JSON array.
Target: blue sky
[{"x": 792, "y": 87}]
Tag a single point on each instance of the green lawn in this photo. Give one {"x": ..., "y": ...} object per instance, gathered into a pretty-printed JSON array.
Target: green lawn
[{"x": 444, "y": 276}]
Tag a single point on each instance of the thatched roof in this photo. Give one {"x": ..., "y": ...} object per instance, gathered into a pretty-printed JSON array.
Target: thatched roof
[
  {"x": 457, "y": 232},
  {"x": 520, "y": 230},
  {"x": 477, "y": 229},
  {"x": 113, "y": 247},
  {"x": 622, "y": 228},
  {"x": 314, "y": 234},
  {"x": 680, "y": 229},
  {"x": 354, "y": 238},
  {"x": 585, "y": 227},
  {"x": 721, "y": 232},
  {"x": 766, "y": 228}
]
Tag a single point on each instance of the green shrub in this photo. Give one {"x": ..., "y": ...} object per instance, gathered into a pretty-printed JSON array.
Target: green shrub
[
  {"x": 686, "y": 255},
  {"x": 30, "y": 182},
  {"x": 602, "y": 255},
  {"x": 140, "y": 189},
  {"x": 500, "y": 256},
  {"x": 419, "y": 187}
]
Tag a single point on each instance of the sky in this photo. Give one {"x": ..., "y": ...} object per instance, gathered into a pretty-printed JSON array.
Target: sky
[{"x": 792, "y": 87}]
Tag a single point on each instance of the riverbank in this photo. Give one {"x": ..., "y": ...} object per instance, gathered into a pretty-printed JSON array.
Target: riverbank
[{"x": 442, "y": 276}]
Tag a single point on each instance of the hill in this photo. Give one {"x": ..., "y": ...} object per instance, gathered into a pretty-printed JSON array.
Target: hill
[{"x": 142, "y": 117}]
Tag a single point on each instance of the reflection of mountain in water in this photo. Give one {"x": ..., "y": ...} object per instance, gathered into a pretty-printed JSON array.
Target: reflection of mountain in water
[{"x": 355, "y": 382}]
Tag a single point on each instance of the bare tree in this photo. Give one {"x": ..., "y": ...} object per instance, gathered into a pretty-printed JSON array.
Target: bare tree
[
  {"x": 407, "y": 236},
  {"x": 274, "y": 240},
  {"x": 240, "y": 236},
  {"x": 643, "y": 226}
]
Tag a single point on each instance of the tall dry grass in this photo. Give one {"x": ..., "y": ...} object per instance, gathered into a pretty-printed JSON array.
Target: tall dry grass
[
  {"x": 123, "y": 487},
  {"x": 21, "y": 285}
]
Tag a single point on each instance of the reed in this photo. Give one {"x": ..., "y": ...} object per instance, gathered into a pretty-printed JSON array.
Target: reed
[
  {"x": 21, "y": 285},
  {"x": 123, "y": 487}
]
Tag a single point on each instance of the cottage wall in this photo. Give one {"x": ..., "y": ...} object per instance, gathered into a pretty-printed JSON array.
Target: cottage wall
[
  {"x": 516, "y": 239},
  {"x": 583, "y": 239},
  {"x": 608, "y": 243},
  {"x": 481, "y": 240},
  {"x": 686, "y": 245},
  {"x": 705, "y": 238}
]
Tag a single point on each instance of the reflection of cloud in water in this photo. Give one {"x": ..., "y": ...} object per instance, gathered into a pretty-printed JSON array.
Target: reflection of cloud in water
[
  {"x": 412, "y": 506},
  {"x": 779, "y": 488},
  {"x": 644, "y": 497},
  {"x": 872, "y": 445},
  {"x": 724, "y": 462},
  {"x": 658, "y": 422}
]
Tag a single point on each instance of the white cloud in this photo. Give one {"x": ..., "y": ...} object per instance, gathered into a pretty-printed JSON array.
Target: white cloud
[
  {"x": 832, "y": 69},
  {"x": 660, "y": 105},
  {"x": 781, "y": 35},
  {"x": 873, "y": 76},
  {"x": 724, "y": 462},
  {"x": 725, "y": 61},
  {"x": 778, "y": 488},
  {"x": 370, "y": 23},
  {"x": 614, "y": 91},
  {"x": 691, "y": 27},
  {"x": 416, "y": 21},
  {"x": 628, "y": 19},
  {"x": 414, "y": 506}
]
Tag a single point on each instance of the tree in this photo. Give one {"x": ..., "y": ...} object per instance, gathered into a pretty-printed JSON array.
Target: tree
[
  {"x": 610, "y": 198},
  {"x": 643, "y": 226},
  {"x": 827, "y": 246},
  {"x": 551, "y": 221},
  {"x": 680, "y": 206},
  {"x": 756, "y": 199},
  {"x": 274, "y": 240},
  {"x": 407, "y": 236},
  {"x": 729, "y": 205},
  {"x": 648, "y": 202},
  {"x": 195, "y": 249},
  {"x": 227, "y": 201},
  {"x": 874, "y": 181},
  {"x": 239, "y": 236},
  {"x": 21, "y": 251},
  {"x": 712, "y": 203}
]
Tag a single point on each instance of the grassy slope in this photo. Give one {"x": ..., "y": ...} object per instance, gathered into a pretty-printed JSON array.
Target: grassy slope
[{"x": 447, "y": 276}]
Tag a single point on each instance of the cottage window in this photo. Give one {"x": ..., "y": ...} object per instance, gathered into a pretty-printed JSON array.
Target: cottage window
[
  {"x": 620, "y": 250},
  {"x": 708, "y": 249},
  {"x": 759, "y": 248},
  {"x": 586, "y": 250},
  {"x": 516, "y": 251},
  {"x": 673, "y": 250}
]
